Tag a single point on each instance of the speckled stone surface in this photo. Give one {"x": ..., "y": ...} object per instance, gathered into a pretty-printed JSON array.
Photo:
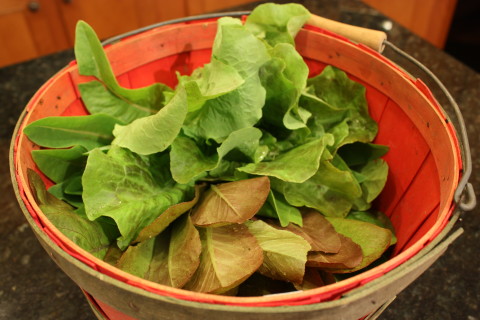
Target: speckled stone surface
[{"x": 33, "y": 287}]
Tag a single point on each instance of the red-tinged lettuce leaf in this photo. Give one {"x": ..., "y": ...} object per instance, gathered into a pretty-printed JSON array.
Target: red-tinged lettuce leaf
[
  {"x": 377, "y": 218},
  {"x": 171, "y": 258},
  {"x": 372, "y": 239},
  {"x": 168, "y": 216},
  {"x": 176, "y": 267},
  {"x": 232, "y": 202},
  {"x": 349, "y": 256},
  {"x": 88, "y": 235},
  {"x": 230, "y": 254},
  {"x": 113, "y": 254},
  {"x": 319, "y": 233},
  {"x": 315, "y": 278},
  {"x": 284, "y": 252}
]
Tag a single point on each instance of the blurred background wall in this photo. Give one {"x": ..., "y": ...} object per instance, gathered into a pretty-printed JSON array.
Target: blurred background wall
[{"x": 33, "y": 28}]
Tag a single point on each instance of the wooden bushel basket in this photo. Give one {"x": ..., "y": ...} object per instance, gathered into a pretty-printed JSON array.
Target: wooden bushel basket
[{"x": 425, "y": 170}]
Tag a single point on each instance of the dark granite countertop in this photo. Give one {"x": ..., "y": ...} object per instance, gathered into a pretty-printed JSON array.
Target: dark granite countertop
[{"x": 33, "y": 287}]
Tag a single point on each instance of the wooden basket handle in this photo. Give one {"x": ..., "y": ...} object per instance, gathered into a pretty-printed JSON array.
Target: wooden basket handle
[{"x": 369, "y": 37}]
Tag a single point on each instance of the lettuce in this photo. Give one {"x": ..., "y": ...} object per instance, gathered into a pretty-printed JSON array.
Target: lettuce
[{"x": 226, "y": 176}]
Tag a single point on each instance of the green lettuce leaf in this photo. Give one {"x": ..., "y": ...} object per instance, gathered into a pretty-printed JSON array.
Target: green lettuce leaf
[
  {"x": 296, "y": 165},
  {"x": 210, "y": 81},
  {"x": 89, "y": 235},
  {"x": 154, "y": 133},
  {"x": 284, "y": 77},
  {"x": 168, "y": 216},
  {"x": 374, "y": 174},
  {"x": 373, "y": 239},
  {"x": 277, "y": 207},
  {"x": 62, "y": 132},
  {"x": 69, "y": 190},
  {"x": 106, "y": 95},
  {"x": 60, "y": 164},
  {"x": 242, "y": 107},
  {"x": 332, "y": 98},
  {"x": 313, "y": 194},
  {"x": 189, "y": 161},
  {"x": 375, "y": 217},
  {"x": 121, "y": 185},
  {"x": 332, "y": 190},
  {"x": 276, "y": 23},
  {"x": 170, "y": 258},
  {"x": 359, "y": 153},
  {"x": 284, "y": 253}
]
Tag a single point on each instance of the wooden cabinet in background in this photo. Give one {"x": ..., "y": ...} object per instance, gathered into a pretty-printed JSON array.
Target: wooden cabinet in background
[
  {"x": 429, "y": 19},
  {"x": 112, "y": 17},
  {"x": 29, "y": 29},
  {"x": 32, "y": 28},
  {"x": 196, "y": 7}
]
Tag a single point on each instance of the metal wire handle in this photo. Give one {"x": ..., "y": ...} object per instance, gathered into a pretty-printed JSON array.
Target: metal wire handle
[{"x": 464, "y": 194}]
